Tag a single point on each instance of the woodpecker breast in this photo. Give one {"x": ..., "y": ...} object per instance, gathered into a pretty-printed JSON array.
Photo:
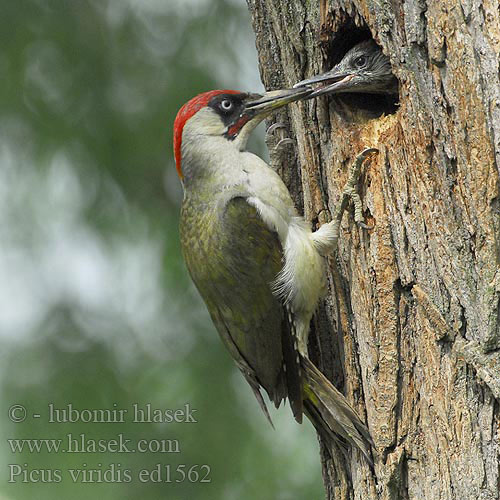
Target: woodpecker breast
[{"x": 300, "y": 282}]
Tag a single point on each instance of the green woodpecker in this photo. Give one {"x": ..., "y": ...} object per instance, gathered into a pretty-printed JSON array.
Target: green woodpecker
[{"x": 255, "y": 261}]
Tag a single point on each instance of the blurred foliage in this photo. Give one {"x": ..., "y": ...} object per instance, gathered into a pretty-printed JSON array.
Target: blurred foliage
[{"x": 96, "y": 308}]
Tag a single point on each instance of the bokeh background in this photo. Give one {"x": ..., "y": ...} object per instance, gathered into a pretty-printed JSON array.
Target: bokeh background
[{"x": 96, "y": 307}]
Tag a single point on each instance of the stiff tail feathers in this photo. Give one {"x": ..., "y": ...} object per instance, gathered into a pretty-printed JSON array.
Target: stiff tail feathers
[{"x": 330, "y": 413}]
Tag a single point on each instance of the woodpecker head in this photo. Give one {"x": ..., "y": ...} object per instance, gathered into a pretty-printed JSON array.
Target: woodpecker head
[
  {"x": 228, "y": 115},
  {"x": 363, "y": 69}
]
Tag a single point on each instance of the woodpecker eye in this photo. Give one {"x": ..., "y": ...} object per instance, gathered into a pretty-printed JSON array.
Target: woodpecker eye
[
  {"x": 360, "y": 61},
  {"x": 226, "y": 105}
]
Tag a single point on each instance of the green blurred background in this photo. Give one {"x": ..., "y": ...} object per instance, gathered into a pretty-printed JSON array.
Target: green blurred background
[{"x": 96, "y": 308}]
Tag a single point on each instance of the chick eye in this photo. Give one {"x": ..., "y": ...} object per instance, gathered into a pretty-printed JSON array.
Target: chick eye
[
  {"x": 226, "y": 105},
  {"x": 360, "y": 61}
]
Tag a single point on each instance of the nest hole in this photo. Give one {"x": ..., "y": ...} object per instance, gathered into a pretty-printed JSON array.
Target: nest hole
[{"x": 356, "y": 104}]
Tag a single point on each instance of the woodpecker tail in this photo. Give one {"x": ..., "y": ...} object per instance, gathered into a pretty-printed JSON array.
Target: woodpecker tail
[{"x": 330, "y": 413}]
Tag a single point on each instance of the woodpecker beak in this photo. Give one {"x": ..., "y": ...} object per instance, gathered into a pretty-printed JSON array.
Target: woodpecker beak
[
  {"x": 260, "y": 106},
  {"x": 263, "y": 104},
  {"x": 333, "y": 81}
]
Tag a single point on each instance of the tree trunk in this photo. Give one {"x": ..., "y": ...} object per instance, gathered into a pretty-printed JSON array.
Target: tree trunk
[{"x": 410, "y": 328}]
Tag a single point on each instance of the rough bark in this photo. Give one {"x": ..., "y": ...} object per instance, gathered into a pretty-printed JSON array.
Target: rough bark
[{"x": 410, "y": 329}]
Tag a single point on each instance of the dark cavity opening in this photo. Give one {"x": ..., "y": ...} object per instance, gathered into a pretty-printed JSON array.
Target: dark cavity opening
[{"x": 356, "y": 104}]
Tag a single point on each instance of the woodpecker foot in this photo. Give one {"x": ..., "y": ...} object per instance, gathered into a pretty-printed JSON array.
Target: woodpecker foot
[
  {"x": 276, "y": 144},
  {"x": 281, "y": 135},
  {"x": 351, "y": 190},
  {"x": 326, "y": 237}
]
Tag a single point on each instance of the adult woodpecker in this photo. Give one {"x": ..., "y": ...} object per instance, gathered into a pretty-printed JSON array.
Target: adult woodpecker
[
  {"x": 254, "y": 260},
  {"x": 364, "y": 69}
]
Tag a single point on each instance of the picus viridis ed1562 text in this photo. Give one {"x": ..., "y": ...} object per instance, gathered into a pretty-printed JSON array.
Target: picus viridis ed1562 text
[{"x": 255, "y": 261}]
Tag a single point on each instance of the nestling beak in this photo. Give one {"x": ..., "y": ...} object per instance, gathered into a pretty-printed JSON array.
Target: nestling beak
[
  {"x": 332, "y": 81},
  {"x": 364, "y": 69}
]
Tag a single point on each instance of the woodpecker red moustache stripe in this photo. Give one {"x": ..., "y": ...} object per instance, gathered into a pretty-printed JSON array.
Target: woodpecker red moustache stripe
[
  {"x": 185, "y": 113},
  {"x": 234, "y": 129}
]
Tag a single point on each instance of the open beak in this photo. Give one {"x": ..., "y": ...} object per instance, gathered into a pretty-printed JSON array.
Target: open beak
[
  {"x": 264, "y": 104},
  {"x": 332, "y": 81}
]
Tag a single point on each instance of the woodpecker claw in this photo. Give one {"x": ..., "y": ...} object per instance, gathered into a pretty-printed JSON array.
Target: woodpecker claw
[
  {"x": 367, "y": 152},
  {"x": 281, "y": 135},
  {"x": 363, "y": 225},
  {"x": 284, "y": 141},
  {"x": 275, "y": 126}
]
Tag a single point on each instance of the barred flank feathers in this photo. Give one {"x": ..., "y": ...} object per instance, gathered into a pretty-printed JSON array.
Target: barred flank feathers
[{"x": 292, "y": 365}]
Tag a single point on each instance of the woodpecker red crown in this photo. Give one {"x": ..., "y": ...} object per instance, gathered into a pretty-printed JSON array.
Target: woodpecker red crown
[{"x": 185, "y": 113}]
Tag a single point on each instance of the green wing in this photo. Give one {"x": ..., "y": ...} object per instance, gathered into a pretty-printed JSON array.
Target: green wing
[{"x": 241, "y": 258}]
